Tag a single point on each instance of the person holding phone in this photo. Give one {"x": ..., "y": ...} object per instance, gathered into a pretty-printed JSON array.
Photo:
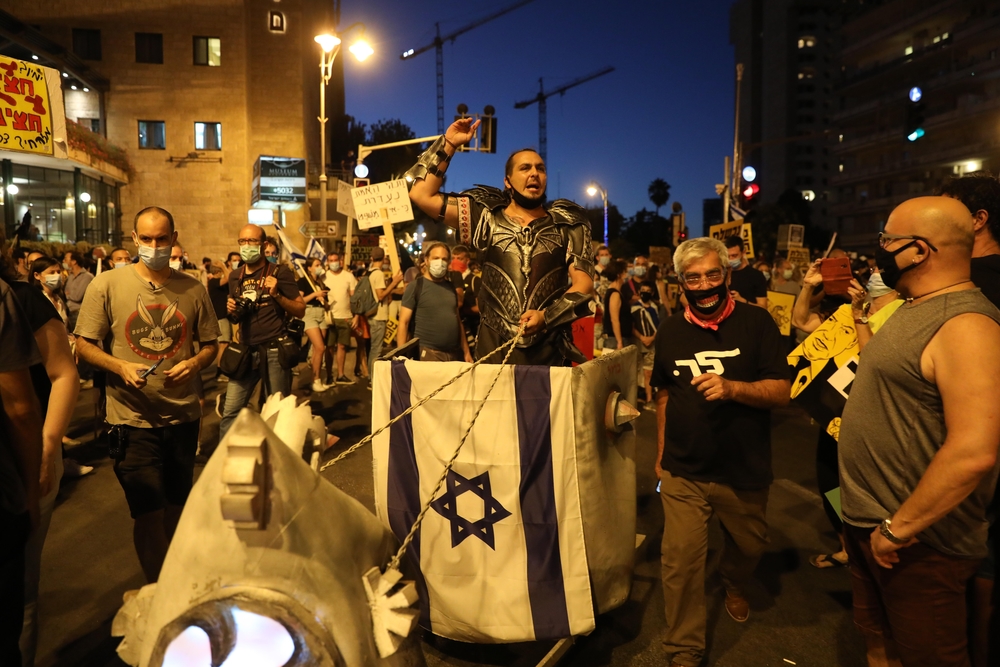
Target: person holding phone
[{"x": 152, "y": 316}]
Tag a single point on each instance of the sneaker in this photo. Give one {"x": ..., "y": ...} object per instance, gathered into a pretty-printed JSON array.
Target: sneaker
[
  {"x": 318, "y": 386},
  {"x": 222, "y": 377},
  {"x": 73, "y": 469},
  {"x": 86, "y": 384},
  {"x": 218, "y": 404},
  {"x": 343, "y": 379}
]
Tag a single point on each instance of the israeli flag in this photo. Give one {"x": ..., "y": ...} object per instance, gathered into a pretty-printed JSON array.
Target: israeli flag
[
  {"x": 501, "y": 551},
  {"x": 288, "y": 249},
  {"x": 315, "y": 250}
]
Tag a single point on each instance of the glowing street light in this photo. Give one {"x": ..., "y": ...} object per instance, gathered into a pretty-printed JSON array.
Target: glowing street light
[
  {"x": 592, "y": 190},
  {"x": 330, "y": 43}
]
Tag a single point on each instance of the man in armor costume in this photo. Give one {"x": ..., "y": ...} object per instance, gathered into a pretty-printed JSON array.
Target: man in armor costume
[{"x": 537, "y": 260}]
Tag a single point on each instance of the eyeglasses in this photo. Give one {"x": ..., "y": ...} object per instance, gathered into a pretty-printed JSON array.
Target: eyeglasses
[
  {"x": 884, "y": 239},
  {"x": 713, "y": 278},
  {"x": 249, "y": 241}
]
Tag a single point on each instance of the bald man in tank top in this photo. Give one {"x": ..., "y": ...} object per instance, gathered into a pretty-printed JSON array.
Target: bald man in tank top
[{"x": 918, "y": 442}]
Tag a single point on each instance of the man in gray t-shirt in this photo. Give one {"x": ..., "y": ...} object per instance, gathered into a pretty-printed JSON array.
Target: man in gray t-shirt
[
  {"x": 918, "y": 440},
  {"x": 151, "y": 314},
  {"x": 432, "y": 300}
]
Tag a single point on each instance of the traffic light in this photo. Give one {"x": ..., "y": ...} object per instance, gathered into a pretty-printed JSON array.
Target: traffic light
[{"x": 915, "y": 110}]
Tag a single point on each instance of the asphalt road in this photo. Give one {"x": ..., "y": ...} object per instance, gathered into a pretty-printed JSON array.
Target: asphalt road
[{"x": 800, "y": 615}]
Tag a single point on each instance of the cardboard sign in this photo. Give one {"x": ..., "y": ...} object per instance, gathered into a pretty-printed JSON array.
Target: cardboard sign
[
  {"x": 345, "y": 203},
  {"x": 382, "y": 202},
  {"x": 25, "y": 111},
  {"x": 799, "y": 257},
  {"x": 662, "y": 256},
  {"x": 738, "y": 228},
  {"x": 780, "y": 306}
]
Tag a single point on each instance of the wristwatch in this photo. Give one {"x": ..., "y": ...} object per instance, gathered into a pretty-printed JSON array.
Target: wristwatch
[
  {"x": 864, "y": 314},
  {"x": 885, "y": 529}
]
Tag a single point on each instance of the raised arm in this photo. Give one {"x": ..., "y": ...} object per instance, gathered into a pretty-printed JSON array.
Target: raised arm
[
  {"x": 802, "y": 318},
  {"x": 429, "y": 171}
]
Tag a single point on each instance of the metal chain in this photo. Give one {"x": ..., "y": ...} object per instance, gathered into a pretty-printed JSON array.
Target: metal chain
[
  {"x": 364, "y": 441},
  {"x": 394, "y": 563}
]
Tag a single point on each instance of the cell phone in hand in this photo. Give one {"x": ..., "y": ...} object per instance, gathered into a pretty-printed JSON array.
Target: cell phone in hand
[
  {"x": 152, "y": 368},
  {"x": 836, "y": 273}
]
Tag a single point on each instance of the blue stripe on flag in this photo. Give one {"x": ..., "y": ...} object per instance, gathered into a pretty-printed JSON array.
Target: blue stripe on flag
[
  {"x": 403, "y": 492},
  {"x": 546, "y": 594}
]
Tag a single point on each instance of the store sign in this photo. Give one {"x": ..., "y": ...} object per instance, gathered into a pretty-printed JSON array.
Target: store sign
[
  {"x": 279, "y": 179},
  {"x": 25, "y": 111}
]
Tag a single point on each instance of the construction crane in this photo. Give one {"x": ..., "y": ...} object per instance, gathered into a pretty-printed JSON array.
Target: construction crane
[
  {"x": 542, "y": 105},
  {"x": 438, "y": 45}
]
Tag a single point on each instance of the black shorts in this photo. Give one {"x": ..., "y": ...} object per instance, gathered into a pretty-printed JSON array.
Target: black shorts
[{"x": 158, "y": 467}]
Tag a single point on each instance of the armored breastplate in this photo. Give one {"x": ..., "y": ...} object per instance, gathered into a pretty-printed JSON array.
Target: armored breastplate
[{"x": 524, "y": 269}]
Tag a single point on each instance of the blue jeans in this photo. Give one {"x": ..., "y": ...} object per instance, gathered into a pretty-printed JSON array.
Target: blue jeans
[
  {"x": 238, "y": 392},
  {"x": 377, "y": 328}
]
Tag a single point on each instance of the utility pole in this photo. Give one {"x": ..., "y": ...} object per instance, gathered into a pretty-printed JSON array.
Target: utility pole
[{"x": 736, "y": 133}]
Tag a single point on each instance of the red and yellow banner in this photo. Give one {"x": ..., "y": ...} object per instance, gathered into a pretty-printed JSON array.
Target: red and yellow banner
[{"x": 25, "y": 112}]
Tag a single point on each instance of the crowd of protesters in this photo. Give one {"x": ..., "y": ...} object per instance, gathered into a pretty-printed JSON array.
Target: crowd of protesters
[{"x": 915, "y": 457}]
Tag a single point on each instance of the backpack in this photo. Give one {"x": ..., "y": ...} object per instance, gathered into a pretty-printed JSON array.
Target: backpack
[{"x": 363, "y": 300}]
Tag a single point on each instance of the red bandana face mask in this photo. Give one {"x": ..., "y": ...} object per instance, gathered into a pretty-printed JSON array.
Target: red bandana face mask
[{"x": 458, "y": 265}]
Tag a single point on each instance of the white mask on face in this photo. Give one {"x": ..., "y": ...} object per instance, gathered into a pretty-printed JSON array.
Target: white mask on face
[
  {"x": 335, "y": 266},
  {"x": 438, "y": 267},
  {"x": 175, "y": 264},
  {"x": 121, "y": 265},
  {"x": 156, "y": 259},
  {"x": 877, "y": 286},
  {"x": 235, "y": 264},
  {"x": 53, "y": 280}
]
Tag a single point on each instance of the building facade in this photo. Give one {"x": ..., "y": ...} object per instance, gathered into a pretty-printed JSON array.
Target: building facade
[
  {"x": 788, "y": 52},
  {"x": 918, "y": 97},
  {"x": 194, "y": 94}
]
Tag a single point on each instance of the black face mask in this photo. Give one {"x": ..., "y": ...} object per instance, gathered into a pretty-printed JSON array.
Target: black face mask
[
  {"x": 527, "y": 203},
  {"x": 886, "y": 261},
  {"x": 646, "y": 297},
  {"x": 696, "y": 295}
]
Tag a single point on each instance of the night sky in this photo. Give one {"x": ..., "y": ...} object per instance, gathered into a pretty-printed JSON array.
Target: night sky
[{"x": 666, "y": 111}]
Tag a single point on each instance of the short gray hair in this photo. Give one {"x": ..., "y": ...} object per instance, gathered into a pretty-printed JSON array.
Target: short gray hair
[{"x": 694, "y": 249}]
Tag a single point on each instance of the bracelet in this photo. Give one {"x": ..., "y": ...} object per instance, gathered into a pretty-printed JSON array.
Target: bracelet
[
  {"x": 861, "y": 321},
  {"x": 449, "y": 143}
]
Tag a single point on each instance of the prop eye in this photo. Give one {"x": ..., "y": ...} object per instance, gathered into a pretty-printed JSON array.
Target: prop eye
[{"x": 260, "y": 642}]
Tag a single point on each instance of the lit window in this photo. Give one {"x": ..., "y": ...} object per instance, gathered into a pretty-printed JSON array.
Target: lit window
[
  {"x": 908, "y": 51},
  {"x": 152, "y": 134},
  {"x": 945, "y": 36},
  {"x": 840, "y": 137},
  {"x": 937, "y": 39},
  {"x": 807, "y": 42},
  {"x": 208, "y": 51},
  {"x": 208, "y": 136},
  {"x": 840, "y": 168}
]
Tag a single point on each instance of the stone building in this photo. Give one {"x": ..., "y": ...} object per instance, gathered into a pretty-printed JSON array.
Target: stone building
[
  {"x": 193, "y": 92},
  {"x": 918, "y": 99}
]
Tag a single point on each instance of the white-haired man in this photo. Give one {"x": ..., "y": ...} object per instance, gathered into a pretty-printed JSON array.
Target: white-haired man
[{"x": 719, "y": 369}]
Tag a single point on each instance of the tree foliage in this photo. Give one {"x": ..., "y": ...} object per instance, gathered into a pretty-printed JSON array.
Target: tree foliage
[{"x": 659, "y": 193}]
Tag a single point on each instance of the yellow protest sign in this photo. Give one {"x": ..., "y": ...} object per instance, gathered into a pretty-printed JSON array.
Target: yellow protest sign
[
  {"x": 390, "y": 331},
  {"x": 25, "y": 112},
  {"x": 780, "y": 306},
  {"x": 737, "y": 228}
]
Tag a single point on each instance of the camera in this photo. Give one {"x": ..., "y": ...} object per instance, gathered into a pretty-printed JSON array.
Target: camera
[{"x": 244, "y": 307}]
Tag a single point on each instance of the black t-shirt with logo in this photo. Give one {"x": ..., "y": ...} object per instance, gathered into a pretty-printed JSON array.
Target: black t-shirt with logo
[
  {"x": 268, "y": 322},
  {"x": 749, "y": 282},
  {"x": 718, "y": 441}
]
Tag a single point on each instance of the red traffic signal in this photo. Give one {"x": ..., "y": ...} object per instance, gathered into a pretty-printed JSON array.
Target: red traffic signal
[{"x": 751, "y": 191}]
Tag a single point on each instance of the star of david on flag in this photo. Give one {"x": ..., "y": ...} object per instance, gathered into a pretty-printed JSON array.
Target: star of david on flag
[
  {"x": 501, "y": 551},
  {"x": 461, "y": 527}
]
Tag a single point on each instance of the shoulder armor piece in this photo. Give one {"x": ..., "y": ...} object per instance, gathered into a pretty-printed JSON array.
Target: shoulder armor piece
[
  {"x": 567, "y": 212},
  {"x": 488, "y": 196}
]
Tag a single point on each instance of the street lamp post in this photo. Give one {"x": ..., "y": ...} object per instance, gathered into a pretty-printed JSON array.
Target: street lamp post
[
  {"x": 330, "y": 43},
  {"x": 592, "y": 190}
]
